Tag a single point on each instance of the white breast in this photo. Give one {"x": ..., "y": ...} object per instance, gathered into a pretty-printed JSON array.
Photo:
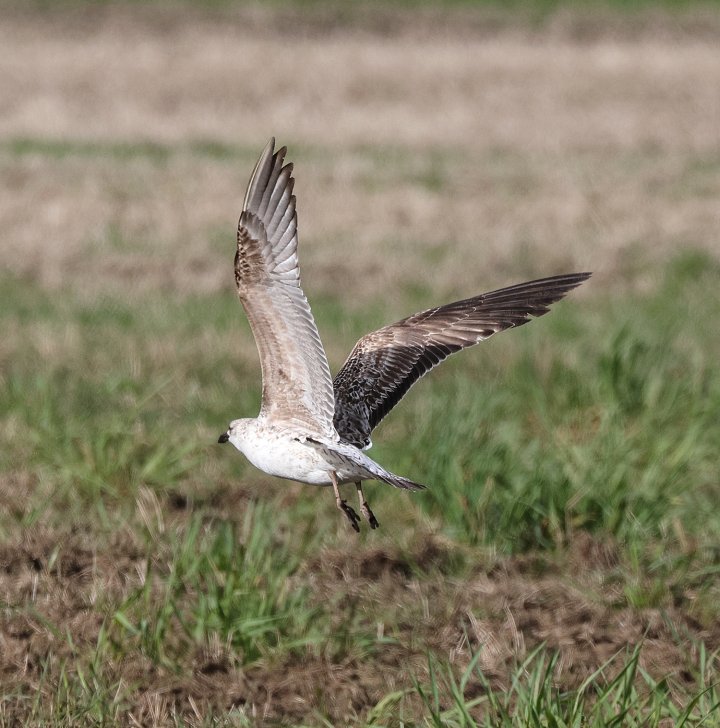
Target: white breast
[{"x": 283, "y": 456}]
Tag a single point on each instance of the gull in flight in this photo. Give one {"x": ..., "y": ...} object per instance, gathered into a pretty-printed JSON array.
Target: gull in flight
[{"x": 313, "y": 429}]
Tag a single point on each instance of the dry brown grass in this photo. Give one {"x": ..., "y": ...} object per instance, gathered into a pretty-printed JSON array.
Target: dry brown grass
[
  {"x": 104, "y": 224},
  {"x": 128, "y": 78},
  {"x": 478, "y": 157}
]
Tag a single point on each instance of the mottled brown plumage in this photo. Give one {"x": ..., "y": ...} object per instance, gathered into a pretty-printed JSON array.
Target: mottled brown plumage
[{"x": 384, "y": 364}]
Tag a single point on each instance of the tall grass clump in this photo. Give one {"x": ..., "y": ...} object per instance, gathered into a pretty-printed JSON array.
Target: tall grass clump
[
  {"x": 619, "y": 693},
  {"x": 229, "y": 581}
]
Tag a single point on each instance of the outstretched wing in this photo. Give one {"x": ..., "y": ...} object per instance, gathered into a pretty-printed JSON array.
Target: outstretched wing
[
  {"x": 383, "y": 365},
  {"x": 297, "y": 387}
]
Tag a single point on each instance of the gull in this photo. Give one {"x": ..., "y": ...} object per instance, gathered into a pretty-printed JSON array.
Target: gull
[{"x": 310, "y": 428}]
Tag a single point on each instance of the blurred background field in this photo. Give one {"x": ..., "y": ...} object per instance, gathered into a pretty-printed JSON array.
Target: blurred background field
[{"x": 563, "y": 565}]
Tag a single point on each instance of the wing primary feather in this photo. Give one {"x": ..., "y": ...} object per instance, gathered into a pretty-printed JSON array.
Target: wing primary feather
[{"x": 259, "y": 173}]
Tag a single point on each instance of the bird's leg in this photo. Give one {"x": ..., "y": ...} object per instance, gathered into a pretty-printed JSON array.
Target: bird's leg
[
  {"x": 343, "y": 506},
  {"x": 365, "y": 508}
]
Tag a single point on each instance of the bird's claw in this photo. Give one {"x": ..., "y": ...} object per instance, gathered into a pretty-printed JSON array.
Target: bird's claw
[
  {"x": 369, "y": 515},
  {"x": 352, "y": 516}
]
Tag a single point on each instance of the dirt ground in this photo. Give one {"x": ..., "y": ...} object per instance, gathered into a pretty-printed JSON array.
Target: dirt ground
[{"x": 525, "y": 601}]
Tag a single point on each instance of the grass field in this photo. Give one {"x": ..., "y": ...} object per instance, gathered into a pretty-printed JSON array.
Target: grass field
[{"x": 562, "y": 569}]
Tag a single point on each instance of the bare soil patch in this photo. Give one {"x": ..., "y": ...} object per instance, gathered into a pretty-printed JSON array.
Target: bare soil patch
[{"x": 53, "y": 585}]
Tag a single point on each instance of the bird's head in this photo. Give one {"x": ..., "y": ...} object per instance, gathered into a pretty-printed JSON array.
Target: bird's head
[{"x": 234, "y": 432}]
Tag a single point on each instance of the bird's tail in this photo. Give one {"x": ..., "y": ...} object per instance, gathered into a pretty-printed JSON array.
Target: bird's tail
[
  {"x": 397, "y": 481},
  {"x": 377, "y": 472},
  {"x": 366, "y": 468}
]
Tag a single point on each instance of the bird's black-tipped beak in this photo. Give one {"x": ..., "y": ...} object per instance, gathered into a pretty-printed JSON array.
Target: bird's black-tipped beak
[{"x": 224, "y": 437}]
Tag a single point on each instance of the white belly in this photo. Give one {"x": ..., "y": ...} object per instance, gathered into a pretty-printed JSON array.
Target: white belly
[{"x": 285, "y": 457}]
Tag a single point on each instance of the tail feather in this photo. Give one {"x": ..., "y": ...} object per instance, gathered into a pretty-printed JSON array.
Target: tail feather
[
  {"x": 397, "y": 481},
  {"x": 362, "y": 467}
]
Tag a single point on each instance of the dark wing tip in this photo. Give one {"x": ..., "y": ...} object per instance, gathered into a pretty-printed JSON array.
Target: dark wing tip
[
  {"x": 536, "y": 297},
  {"x": 557, "y": 287},
  {"x": 269, "y": 147},
  {"x": 542, "y": 290},
  {"x": 561, "y": 284},
  {"x": 575, "y": 279}
]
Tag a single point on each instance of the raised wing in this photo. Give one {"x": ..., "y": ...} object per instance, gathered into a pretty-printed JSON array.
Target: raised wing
[
  {"x": 383, "y": 365},
  {"x": 297, "y": 387}
]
